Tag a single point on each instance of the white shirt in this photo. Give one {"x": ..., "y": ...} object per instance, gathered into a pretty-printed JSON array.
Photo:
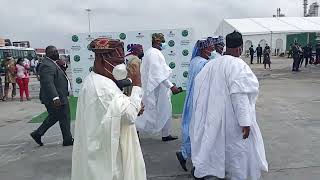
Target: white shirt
[
  {"x": 21, "y": 71},
  {"x": 32, "y": 63},
  {"x": 26, "y": 61},
  {"x": 36, "y": 62}
]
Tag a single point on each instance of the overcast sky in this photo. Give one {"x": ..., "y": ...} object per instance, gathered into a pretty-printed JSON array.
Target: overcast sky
[{"x": 44, "y": 22}]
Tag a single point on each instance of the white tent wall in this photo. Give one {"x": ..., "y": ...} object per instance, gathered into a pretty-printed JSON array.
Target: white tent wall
[
  {"x": 224, "y": 29},
  {"x": 279, "y": 43},
  {"x": 254, "y": 39},
  {"x": 272, "y": 31},
  {"x": 263, "y": 39}
]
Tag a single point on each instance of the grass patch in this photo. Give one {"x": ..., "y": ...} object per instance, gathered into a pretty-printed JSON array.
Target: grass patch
[{"x": 73, "y": 109}]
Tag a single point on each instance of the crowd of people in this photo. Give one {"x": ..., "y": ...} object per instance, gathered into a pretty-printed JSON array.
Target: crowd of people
[
  {"x": 259, "y": 51},
  {"x": 17, "y": 72},
  {"x": 128, "y": 94},
  {"x": 303, "y": 55}
]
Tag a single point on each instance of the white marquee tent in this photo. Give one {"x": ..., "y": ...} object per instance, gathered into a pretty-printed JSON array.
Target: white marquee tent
[{"x": 272, "y": 31}]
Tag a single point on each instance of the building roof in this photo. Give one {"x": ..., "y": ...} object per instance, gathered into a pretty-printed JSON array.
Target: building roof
[{"x": 250, "y": 26}]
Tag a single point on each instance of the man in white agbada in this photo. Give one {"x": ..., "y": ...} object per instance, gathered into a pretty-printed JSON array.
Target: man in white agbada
[
  {"x": 218, "y": 46},
  {"x": 106, "y": 145},
  {"x": 225, "y": 138},
  {"x": 157, "y": 88}
]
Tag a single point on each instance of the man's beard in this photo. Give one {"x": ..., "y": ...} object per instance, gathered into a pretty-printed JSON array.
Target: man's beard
[{"x": 140, "y": 56}]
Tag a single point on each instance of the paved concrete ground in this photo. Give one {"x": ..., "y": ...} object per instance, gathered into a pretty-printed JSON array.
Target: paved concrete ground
[{"x": 288, "y": 113}]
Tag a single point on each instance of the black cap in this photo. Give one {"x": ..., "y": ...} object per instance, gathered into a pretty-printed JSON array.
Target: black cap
[{"x": 234, "y": 40}]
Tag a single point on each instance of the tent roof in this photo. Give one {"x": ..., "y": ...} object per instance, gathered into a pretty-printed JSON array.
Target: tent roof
[{"x": 250, "y": 26}]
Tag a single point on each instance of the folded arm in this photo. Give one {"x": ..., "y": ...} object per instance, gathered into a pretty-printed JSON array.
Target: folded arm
[{"x": 132, "y": 105}]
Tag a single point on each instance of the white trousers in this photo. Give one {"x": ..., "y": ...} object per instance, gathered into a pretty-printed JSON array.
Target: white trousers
[{"x": 167, "y": 128}]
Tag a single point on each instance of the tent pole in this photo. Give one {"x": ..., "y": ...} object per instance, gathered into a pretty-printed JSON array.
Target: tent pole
[{"x": 271, "y": 43}]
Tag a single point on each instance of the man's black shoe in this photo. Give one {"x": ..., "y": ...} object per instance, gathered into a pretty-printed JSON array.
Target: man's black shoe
[
  {"x": 182, "y": 161},
  {"x": 68, "y": 143},
  {"x": 169, "y": 138},
  {"x": 36, "y": 138},
  {"x": 192, "y": 173}
]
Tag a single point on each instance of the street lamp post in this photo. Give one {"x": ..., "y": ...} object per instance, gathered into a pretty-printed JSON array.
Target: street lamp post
[{"x": 89, "y": 11}]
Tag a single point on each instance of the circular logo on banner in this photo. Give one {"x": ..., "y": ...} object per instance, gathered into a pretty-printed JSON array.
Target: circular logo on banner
[
  {"x": 122, "y": 36},
  {"x": 185, "y": 33},
  {"x": 79, "y": 80},
  {"x": 185, "y": 52},
  {"x": 171, "y": 43},
  {"x": 76, "y": 58},
  {"x": 75, "y": 38},
  {"x": 185, "y": 74},
  {"x": 90, "y": 69},
  {"x": 172, "y": 65}
]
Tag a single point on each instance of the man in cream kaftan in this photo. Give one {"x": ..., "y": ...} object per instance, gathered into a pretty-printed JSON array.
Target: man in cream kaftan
[{"x": 106, "y": 145}]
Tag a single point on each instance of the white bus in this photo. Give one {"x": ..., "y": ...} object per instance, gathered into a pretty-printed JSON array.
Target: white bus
[
  {"x": 17, "y": 52},
  {"x": 65, "y": 57}
]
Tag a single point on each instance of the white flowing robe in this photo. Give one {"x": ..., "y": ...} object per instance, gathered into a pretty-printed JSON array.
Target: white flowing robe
[
  {"x": 106, "y": 145},
  {"x": 157, "y": 96},
  {"x": 216, "y": 136}
]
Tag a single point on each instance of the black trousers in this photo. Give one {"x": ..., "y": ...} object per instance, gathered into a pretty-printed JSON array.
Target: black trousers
[
  {"x": 61, "y": 114},
  {"x": 306, "y": 59},
  {"x": 296, "y": 63},
  {"x": 251, "y": 56},
  {"x": 259, "y": 56},
  {"x": 1, "y": 89},
  {"x": 317, "y": 58}
]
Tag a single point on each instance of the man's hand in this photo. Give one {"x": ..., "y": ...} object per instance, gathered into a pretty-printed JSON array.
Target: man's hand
[
  {"x": 141, "y": 110},
  {"x": 176, "y": 90},
  {"x": 57, "y": 103},
  {"x": 134, "y": 74},
  {"x": 246, "y": 132},
  {"x": 61, "y": 62}
]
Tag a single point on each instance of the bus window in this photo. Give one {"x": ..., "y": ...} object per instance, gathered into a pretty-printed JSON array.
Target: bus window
[
  {"x": 25, "y": 53},
  {"x": 15, "y": 54},
  {"x": 20, "y": 54},
  {"x": 11, "y": 52},
  {"x": 1, "y": 54},
  {"x": 32, "y": 53}
]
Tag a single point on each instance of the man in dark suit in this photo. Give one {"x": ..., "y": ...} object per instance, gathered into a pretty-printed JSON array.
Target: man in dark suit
[
  {"x": 307, "y": 54},
  {"x": 296, "y": 57},
  {"x": 259, "y": 54},
  {"x": 54, "y": 91},
  {"x": 251, "y": 54},
  {"x": 317, "y": 54}
]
